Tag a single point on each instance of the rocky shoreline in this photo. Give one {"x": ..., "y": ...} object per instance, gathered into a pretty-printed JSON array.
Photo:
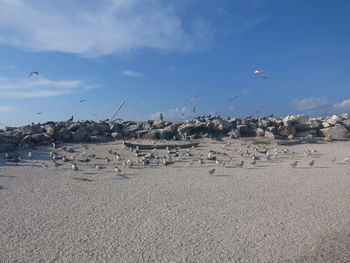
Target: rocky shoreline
[{"x": 336, "y": 127}]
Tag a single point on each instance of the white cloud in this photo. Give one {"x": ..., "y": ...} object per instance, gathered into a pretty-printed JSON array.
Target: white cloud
[
  {"x": 6, "y": 108},
  {"x": 343, "y": 105},
  {"x": 93, "y": 28},
  {"x": 310, "y": 103},
  {"x": 40, "y": 87},
  {"x": 246, "y": 91},
  {"x": 131, "y": 73},
  {"x": 174, "y": 114}
]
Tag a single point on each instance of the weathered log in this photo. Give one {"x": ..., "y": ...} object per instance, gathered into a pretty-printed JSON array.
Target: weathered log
[{"x": 160, "y": 146}]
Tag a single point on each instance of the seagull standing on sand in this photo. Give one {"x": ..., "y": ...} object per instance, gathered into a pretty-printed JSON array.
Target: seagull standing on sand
[
  {"x": 260, "y": 73},
  {"x": 75, "y": 167},
  {"x": 33, "y": 73},
  {"x": 211, "y": 171}
]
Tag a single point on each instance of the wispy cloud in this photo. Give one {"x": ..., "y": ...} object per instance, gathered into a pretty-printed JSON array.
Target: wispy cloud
[
  {"x": 343, "y": 105},
  {"x": 97, "y": 28},
  {"x": 6, "y": 108},
  {"x": 310, "y": 103},
  {"x": 40, "y": 87},
  {"x": 131, "y": 73},
  {"x": 175, "y": 114},
  {"x": 92, "y": 28}
]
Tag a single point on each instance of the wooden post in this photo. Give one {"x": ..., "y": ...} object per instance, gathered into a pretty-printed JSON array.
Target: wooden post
[{"x": 117, "y": 110}]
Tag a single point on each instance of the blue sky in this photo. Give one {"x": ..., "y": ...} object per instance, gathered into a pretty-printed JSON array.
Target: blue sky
[{"x": 155, "y": 54}]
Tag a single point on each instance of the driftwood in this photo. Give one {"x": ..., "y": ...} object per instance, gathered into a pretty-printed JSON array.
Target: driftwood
[{"x": 160, "y": 146}]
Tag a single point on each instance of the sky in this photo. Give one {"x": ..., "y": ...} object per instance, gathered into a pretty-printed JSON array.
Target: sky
[{"x": 171, "y": 56}]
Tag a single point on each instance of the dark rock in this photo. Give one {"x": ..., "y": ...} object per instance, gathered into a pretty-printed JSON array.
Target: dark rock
[{"x": 7, "y": 147}]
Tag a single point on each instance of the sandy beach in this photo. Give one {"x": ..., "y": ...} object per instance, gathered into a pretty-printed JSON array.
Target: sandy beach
[{"x": 268, "y": 212}]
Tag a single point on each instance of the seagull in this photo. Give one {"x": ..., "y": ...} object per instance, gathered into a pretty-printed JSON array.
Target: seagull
[
  {"x": 334, "y": 159},
  {"x": 240, "y": 165},
  {"x": 294, "y": 164},
  {"x": 260, "y": 73},
  {"x": 312, "y": 163},
  {"x": 211, "y": 171},
  {"x": 194, "y": 109},
  {"x": 191, "y": 99},
  {"x": 253, "y": 162},
  {"x": 81, "y": 101},
  {"x": 99, "y": 167},
  {"x": 33, "y": 73},
  {"x": 75, "y": 167},
  {"x": 117, "y": 170},
  {"x": 233, "y": 98},
  {"x": 30, "y": 155},
  {"x": 39, "y": 113}
]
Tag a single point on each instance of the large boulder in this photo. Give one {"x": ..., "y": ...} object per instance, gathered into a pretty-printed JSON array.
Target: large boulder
[
  {"x": 286, "y": 131},
  {"x": 31, "y": 129},
  {"x": 7, "y": 147},
  {"x": 308, "y": 133},
  {"x": 190, "y": 129},
  {"x": 335, "y": 132},
  {"x": 81, "y": 135},
  {"x": 220, "y": 126}
]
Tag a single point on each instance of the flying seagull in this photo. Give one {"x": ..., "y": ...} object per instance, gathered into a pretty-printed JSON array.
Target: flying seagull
[
  {"x": 82, "y": 100},
  {"x": 39, "y": 113},
  {"x": 261, "y": 73},
  {"x": 191, "y": 99},
  {"x": 194, "y": 109},
  {"x": 233, "y": 98},
  {"x": 33, "y": 73}
]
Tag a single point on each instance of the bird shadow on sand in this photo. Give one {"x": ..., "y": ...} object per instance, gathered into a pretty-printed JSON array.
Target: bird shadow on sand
[{"x": 117, "y": 177}]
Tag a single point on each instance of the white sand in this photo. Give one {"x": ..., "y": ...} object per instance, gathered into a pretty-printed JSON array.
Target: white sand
[{"x": 267, "y": 213}]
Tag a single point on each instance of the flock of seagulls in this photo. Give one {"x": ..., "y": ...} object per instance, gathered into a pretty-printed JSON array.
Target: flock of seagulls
[{"x": 245, "y": 155}]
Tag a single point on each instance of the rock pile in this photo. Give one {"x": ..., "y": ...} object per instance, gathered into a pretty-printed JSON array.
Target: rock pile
[{"x": 333, "y": 127}]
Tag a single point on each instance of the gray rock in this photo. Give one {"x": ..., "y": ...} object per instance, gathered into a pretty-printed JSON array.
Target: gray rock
[
  {"x": 234, "y": 133},
  {"x": 260, "y": 132},
  {"x": 346, "y": 123},
  {"x": 220, "y": 126},
  {"x": 335, "y": 132},
  {"x": 270, "y": 135},
  {"x": 81, "y": 135},
  {"x": 117, "y": 135},
  {"x": 64, "y": 135},
  {"x": 31, "y": 129},
  {"x": 243, "y": 129},
  {"x": 7, "y": 147},
  {"x": 309, "y": 133},
  {"x": 286, "y": 130}
]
